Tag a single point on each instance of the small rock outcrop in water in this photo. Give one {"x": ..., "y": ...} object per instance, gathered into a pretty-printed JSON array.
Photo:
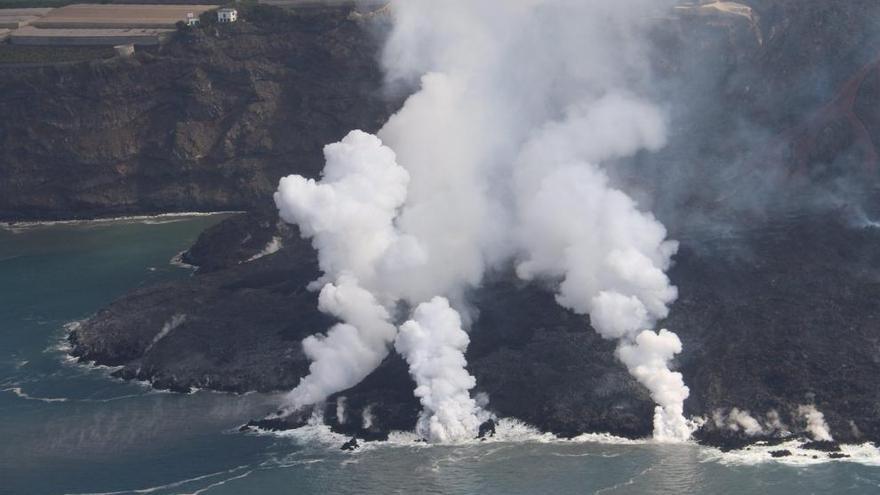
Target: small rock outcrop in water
[
  {"x": 822, "y": 445},
  {"x": 487, "y": 429},
  {"x": 780, "y": 453},
  {"x": 351, "y": 445}
]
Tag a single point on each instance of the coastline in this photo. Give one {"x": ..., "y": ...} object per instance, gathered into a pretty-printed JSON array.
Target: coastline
[{"x": 14, "y": 224}]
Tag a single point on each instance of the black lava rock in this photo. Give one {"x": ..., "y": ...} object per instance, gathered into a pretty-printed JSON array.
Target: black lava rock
[
  {"x": 780, "y": 453},
  {"x": 822, "y": 445},
  {"x": 487, "y": 429},
  {"x": 351, "y": 445}
]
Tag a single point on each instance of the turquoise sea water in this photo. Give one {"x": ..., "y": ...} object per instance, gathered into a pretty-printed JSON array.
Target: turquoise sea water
[{"x": 67, "y": 428}]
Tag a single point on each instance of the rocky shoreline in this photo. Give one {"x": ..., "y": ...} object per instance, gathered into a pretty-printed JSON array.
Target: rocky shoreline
[{"x": 753, "y": 317}]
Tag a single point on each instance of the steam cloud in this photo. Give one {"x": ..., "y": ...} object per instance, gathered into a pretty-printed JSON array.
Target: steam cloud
[
  {"x": 816, "y": 425},
  {"x": 739, "y": 420},
  {"x": 348, "y": 216},
  {"x": 350, "y": 351},
  {"x": 501, "y": 156},
  {"x": 433, "y": 344}
]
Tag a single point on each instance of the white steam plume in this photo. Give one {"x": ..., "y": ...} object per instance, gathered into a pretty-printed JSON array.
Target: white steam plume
[
  {"x": 367, "y": 418},
  {"x": 611, "y": 258},
  {"x": 739, "y": 420},
  {"x": 350, "y": 351},
  {"x": 348, "y": 214},
  {"x": 503, "y": 151},
  {"x": 742, "y": 419},
  {"x": 433, "y": 343},
  {"x": 349, "y": 217},
  {"x": 816, "y": 424},
  {"x": 521, "y": 102},
  {"x": 340, "y": 410}
]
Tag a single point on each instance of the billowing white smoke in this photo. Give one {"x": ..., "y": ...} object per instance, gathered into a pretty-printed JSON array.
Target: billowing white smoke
[
  {"x": 433, "y": 343},
  {"x": 816, "y": 425},
  {"x": 610, "y": 256},
  {"x": 349, "y": 214},
  {"x": 745, "y": 421},
  {"x": 349, "y": 217},
  {"x": 350, "y": 351},
  {"x": 739, "y": 420},
  {"x": 503, "y": 151}
]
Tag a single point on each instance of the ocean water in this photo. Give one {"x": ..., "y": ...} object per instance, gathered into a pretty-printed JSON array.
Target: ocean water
[{"x": 68, "y": 428}]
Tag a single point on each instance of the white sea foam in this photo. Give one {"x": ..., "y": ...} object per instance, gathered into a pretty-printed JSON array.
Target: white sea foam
[
  {"x": 220, "y": 483},
  {"x": 759, "y": 453},
  {"x": 312, "y": 434},
  {"x": 177, "y": 484},
  {"x": 513, "y": 431},
  {"x": 61, "y": 345},
  {"x": 507, "y": 430},
  {"x": 405, "y": 438},
  {"x": 147, "y": 219},
  {"x": 24, "y": 395},
  {"x": 19, "y": 391},
  {"x": 177, "y": 261}
]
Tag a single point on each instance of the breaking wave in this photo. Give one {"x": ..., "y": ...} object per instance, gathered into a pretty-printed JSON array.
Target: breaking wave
[
  {"x": 513, "y": 431},
  {"x": 759, "y": 453}
]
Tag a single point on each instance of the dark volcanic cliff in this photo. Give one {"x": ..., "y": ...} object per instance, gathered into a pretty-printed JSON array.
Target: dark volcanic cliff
[{"x": 210, "y": 121}]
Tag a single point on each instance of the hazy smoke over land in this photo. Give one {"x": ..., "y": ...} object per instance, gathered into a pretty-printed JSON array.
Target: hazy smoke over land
[{"x": 500, "y": 157}]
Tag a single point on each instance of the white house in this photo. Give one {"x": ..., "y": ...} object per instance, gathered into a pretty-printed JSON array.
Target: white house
[
  {"x": 227, "y": 15},
  {"x": 191, "y": 19}
]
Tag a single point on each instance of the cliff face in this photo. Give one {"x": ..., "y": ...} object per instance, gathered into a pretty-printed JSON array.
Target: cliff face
[{"x": 209, "y": 122}]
